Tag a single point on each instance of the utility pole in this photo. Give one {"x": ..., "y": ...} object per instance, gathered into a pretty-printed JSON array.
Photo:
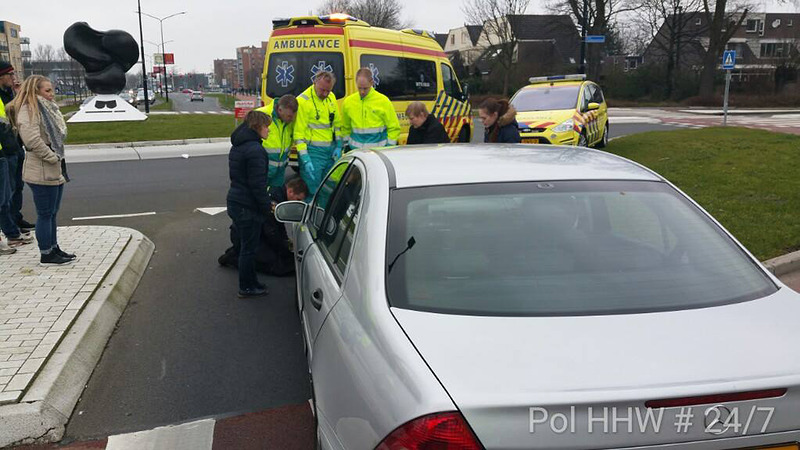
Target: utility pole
[
  {"x": 583, "y": 36},
  {"x": 144, "y": 66}
]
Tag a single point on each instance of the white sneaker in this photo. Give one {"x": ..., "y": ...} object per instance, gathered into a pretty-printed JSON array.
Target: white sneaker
[
  {"x": 6, "y": 250},
  {"x": 22, "y": 239}
]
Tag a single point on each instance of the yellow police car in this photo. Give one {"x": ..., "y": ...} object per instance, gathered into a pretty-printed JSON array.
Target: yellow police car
[{"x": 562, "y": 110}]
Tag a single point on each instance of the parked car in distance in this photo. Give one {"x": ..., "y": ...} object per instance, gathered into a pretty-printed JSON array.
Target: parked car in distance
[
  {"x": 466, "y": 308},
  {"x": 186, "y": 91},
  {"x": 196, "y": 96},
  {"x": 129, "y": 98},
  {"x": 150, "y": 96}
]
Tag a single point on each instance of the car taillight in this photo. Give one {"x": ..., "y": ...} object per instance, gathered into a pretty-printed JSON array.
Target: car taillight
[{"x": 443, "y": 431}]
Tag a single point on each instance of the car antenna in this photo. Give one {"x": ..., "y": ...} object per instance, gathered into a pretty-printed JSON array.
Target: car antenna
[{"x": 409, "y": 245}]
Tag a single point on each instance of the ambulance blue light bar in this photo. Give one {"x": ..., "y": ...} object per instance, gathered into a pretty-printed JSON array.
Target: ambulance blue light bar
[{"x": 576, "y": 77}]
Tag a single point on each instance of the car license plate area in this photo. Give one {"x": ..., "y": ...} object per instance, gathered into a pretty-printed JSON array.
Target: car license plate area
[{"x": 530, "y": 140}]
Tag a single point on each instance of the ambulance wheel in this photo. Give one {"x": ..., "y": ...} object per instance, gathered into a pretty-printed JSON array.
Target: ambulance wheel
[
  {"x": 463, "y": 135},
  {"x": 604, "y": 141},
  {"x": 582, "y": 140}
]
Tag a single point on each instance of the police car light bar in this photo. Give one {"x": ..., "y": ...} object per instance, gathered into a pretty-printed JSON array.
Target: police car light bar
[{"x": 576, "y": 77}]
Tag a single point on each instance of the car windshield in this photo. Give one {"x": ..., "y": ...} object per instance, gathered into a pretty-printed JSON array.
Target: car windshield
[
  {"x": 561, "y": 248},
  {"x": 292, "y": 72},
  {"x": 546, "y": 98}
]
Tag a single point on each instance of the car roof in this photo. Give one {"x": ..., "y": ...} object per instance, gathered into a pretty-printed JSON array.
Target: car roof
[{"x": 497, "y": 163}]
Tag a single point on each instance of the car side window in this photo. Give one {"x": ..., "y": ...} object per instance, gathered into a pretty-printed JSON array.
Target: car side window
[
  {"x": 338, "y": 234},
  {"x": 323, "y": 198},
  {"x": 449, "y": 82},
  {"x": 586, "y": 98},
  {"x": 598, "y": 95}
]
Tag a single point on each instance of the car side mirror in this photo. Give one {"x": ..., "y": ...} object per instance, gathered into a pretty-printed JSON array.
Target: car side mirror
[
  {"x": 593, "y": 106},
  {"x": 290, "y": 212},
  {"x": 465, "y": 93}
]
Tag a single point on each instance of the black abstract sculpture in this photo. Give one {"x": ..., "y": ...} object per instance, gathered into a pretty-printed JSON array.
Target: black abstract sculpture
[{"x": 106, "y": 56}]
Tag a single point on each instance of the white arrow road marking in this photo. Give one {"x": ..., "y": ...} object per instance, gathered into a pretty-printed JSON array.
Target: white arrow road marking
[
  {"x": 212, "y": 211},
  {"x": 116, "y": 216}
]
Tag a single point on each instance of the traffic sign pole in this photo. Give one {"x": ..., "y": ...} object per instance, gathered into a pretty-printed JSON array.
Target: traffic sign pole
[{"x": 725, "y": 101}]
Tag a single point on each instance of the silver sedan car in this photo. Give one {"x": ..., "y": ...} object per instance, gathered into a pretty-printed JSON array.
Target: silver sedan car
[{"x": 518, "y": 297}]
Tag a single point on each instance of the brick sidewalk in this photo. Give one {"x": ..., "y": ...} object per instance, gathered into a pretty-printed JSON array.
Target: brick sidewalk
[{"x": 38, "y": 304}]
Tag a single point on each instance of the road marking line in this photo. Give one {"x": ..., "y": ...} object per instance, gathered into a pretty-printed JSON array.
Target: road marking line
[
  {"x": 116, "y": 216},
  {"x": 211, "y": 210}
]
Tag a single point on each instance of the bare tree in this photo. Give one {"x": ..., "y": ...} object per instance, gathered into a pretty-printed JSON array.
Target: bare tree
[
  {"x": 724, "y": 20},
  {"x": 44, "y": 53},
  {"x": 596, "y": 16},
  {"x": 668, "y": 25},
  {"x": 499, "y": 38},
  {"x": 378, "y": 13}
]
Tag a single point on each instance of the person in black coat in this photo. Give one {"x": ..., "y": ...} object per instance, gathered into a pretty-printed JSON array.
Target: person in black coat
[
  {"x": 425, "y": 129},
  {"x": 499, "y": 122},
  {"x": 248, "y": 200}
]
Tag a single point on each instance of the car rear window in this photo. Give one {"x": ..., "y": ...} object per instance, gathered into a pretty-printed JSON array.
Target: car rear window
[
  {"x": 546, "y": 98},
  {"x": 561, "y": 248}
]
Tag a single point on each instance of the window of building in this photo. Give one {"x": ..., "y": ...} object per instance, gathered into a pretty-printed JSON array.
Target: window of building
[
  {"x": 14, "y": 32},
  {"x": 776, "y": 50},
  {"x": 752, "y": 25},
  {"x": 453, "y": 39},
  {"x": 789, "y": 23},
  {"x": 698, "y": 22}
]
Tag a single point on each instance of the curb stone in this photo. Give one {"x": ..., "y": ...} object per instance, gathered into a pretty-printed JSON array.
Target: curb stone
[
  {"x": 783, "y": 264},
  {"x": 42, "y": 413}
]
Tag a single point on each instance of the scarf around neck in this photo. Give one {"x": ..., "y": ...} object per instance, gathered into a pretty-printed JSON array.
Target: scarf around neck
[{"x": 54, "y": 124}]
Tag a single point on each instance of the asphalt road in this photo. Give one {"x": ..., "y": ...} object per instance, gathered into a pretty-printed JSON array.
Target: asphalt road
[
  {"x": 182, "y": 102},
  {"x": 186, "y": 347}
]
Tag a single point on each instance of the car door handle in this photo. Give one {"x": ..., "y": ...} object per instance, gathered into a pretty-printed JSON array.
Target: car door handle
[{"x": 316, "y": 299}]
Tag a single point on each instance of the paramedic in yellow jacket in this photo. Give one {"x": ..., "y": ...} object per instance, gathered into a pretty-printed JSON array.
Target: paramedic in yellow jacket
[
  {"x": 368, "y": 117},
  {"x": 316, "y": 130},
  {"x": 281, "y": 135}
]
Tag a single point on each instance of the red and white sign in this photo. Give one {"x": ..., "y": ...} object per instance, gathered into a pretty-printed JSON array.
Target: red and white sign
[{"x": 242, "y": 107}]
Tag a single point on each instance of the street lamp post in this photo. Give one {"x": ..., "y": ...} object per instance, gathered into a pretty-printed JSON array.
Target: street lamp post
[
  {"x": 163, "y": 54},
  {"x": 144, "y": 67},
  {"x": 163, "y": 74}
]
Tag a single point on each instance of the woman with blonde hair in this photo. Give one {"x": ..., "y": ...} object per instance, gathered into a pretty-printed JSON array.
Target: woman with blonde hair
[{"x": 41, "y": 126}]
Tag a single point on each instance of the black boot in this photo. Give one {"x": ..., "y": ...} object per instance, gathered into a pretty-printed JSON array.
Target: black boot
[
  {"x": 70, "y": 256},
  {"x": 54, "y": 259}
]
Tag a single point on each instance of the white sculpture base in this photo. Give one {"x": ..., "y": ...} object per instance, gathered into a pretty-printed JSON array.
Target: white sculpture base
[{"x": 107, "y": 108}]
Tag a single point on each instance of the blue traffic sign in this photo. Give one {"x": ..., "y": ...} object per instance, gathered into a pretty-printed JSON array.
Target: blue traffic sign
[
  {"x": 595, "y": 39},
  {"x": 729, "y": 59}
]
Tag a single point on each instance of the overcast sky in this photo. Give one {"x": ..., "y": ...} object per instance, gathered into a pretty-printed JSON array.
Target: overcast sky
[{"x": 210, "y": 29}]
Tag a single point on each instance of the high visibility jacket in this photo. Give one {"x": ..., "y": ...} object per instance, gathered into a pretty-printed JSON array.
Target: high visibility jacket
[
  {"x": 277, "y": 144},
  {"x": 370, "y": 121},
  {"x": 3, "y": 122},
  {"x": 317, "y": 127}
]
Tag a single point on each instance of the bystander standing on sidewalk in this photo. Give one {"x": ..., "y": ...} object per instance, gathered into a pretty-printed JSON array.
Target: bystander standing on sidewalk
[
  {"x": 10, "y": 230},
  {"x": 499, "y": 121},
  {"x": 368, "y": 117},
  {"x": 248, "y": 198},
  {"x": 12, "y": 144},
  {"x": 425, "y": 128},
  {"x": 43, "y": 130}
]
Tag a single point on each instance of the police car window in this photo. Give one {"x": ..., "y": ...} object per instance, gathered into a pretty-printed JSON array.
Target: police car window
[
  {"x": 449, "y": 82},
  {"x": 323, "y": 197},
  {"x": 292, "y": 72},
  {"x": 598, "y": 95},
  {"x": 337, "y": 236},
  {"x": 402, "y": 78}
]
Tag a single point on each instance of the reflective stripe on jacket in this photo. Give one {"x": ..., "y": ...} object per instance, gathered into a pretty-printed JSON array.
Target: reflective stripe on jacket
[
  {"x": 370, "y": 121},
  {"x": 313, "y": 126},
  {"x": 277, "y": 144}
]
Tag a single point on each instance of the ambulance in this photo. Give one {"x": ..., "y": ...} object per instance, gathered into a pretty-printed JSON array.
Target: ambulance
[{"x": 407, "y": 65}]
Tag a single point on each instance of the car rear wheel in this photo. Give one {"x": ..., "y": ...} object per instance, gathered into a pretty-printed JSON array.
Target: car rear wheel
[{"x": 604, "y": 141}]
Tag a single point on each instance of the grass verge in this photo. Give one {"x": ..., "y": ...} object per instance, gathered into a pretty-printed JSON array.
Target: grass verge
[
  {"x": 225, "y": 101},
  {"x": 155, "y": 128},
  {"x": 747, "y": 179}
]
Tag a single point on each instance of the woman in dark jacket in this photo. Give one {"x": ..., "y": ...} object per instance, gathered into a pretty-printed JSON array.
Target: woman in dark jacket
[
  {"x": 425, "y": 129},
  {"x": 249, "y": 203},
  {"x": 499, "y": 121}
]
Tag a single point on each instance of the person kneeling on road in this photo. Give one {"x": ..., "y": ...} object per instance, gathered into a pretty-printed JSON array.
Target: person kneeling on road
[
  {"x": 274, "y": 256},
  {"x": 248, "y": 199}
]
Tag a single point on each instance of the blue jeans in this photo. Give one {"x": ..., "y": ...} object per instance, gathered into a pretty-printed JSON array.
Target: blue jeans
[
  {"x": 7, "y": 224},
  {"x": 248, "y": 223},
  {"x": 48, "y": 201},
  {"x": 15, "y": 163}
]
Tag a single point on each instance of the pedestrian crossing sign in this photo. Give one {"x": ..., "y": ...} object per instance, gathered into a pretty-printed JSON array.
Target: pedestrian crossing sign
[{"x": 729, "y": 59}]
